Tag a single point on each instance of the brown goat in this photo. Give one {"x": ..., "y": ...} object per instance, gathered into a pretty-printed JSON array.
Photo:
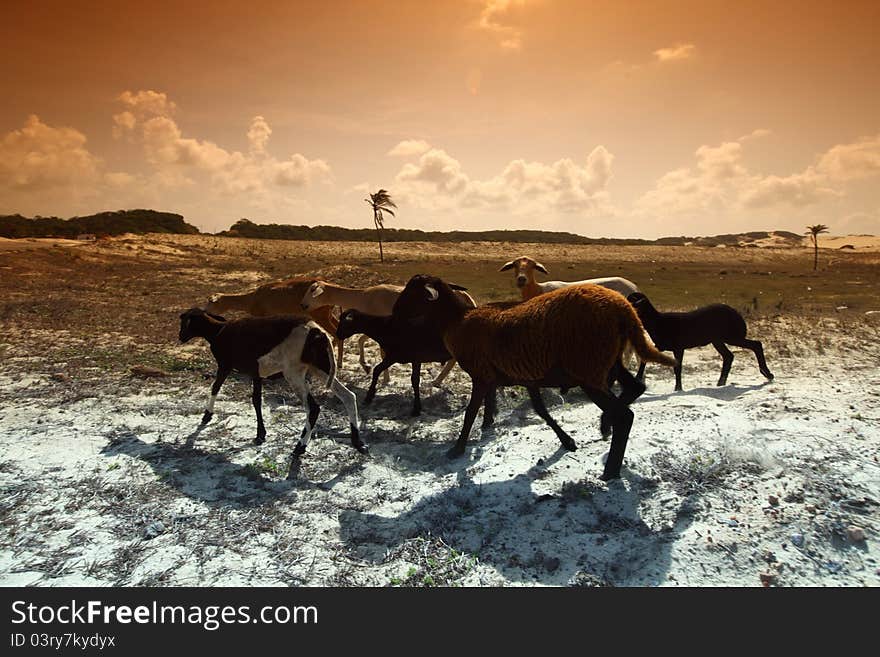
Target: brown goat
[
  {"x": 574, "y": 336},
  {"x": 278, "y": 298}
]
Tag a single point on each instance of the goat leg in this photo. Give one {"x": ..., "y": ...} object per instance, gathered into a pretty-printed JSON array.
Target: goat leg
[
  {"x": 679, "y": 358},
  {"x": 541, "y": 410},
  {"x": 758, "y": 350},
  {"x": 222, "y": 373},
  {"x": 257, "y": 399},
  {"x": 415, "y": 379},
  {"x": 490, "y": 407},
  {"x": 377, "y": 370},
  {"x": 348, "y": 399},
  {"x": 478, "y": 394},
  {"x": 309, "y": 427},
  {"x": 621, "y": 419},
  {"x": 727, "y": 361}
]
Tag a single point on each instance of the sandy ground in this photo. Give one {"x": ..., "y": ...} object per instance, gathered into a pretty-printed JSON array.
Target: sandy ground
[{"x": 107, "y": 480}]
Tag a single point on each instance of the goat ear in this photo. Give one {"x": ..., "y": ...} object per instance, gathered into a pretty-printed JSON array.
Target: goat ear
[
  {"x": 219, "y": 318},
  {"x": 434, "y": 294},
  {"x": 508, "y": 265},
  {"x": 541, "y": 268},
  {"x": 460, "y": 288},
  {"x": 318, "y": 291}
]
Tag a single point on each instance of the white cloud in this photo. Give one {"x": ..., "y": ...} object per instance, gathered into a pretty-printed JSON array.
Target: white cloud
[
  {"x": 858, "y": 223},
  {"x": 147, "y": 102},
  {"x": 721, "y": 182},
  {"x": 437, "y": 169},
  {"x": 495, "y": 19},
  {"x": 180, "y": 161},
  {"x": 859, "y": 159},
  {"x": 124, "y": 123},
  {"x": 46, "y": 169},
  {"x": 409, "y": 147},
  {"x": 798, "y": 190},
  {"x": 39, "y": 157},
  {"x": 756, "y": 134},
  {"x": 438, "y": 180},
  {"x": 676, "y": 52},
  {"x": 258, "y": 134}
]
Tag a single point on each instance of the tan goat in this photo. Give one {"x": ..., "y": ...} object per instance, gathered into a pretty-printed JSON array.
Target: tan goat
[{"x": 279, "y": 298}]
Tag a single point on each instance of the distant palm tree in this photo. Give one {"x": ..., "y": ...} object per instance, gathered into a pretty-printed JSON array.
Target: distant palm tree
[
  {"x": 380, "y": 202},
  {"x": 813, "y": 232}
]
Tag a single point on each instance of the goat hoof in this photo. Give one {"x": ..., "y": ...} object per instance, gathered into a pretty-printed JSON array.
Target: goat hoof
[
  {"x": 605, "y": 427},
  {"x": 768, "y": 374},
  {"x": 608, "y": 476},
  {"x": 363, "y": 448},
  {"x": 570, "y": 445},
  {"x": 259, "y": 440},
  {"x": 454, "y": 452},
  {"x": 416, "y": 412},
  {"x": 299, "y": 450},
  {"x": 207, "y": 417}
]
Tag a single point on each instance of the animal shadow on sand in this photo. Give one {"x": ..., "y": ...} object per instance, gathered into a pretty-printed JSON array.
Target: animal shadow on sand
[
  {"x": 586, "y": 533},
  {"x": 213, "y": 478},
  {"x": 727, "y": 392},
  {"x": 421, "y": 443}
]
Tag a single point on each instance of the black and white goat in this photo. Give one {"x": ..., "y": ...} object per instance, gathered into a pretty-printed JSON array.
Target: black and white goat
[
  {"x": 716, "y": 324},
  {"x": 262, "y": 346}
]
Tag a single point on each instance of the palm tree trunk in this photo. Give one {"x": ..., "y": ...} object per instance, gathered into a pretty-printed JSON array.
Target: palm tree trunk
[
  {"x": 815, "y": 252},
  {"x": 379, "y": 233}
]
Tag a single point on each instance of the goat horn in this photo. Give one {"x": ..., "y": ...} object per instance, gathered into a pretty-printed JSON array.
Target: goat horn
[{"x": 434, "y": 294}]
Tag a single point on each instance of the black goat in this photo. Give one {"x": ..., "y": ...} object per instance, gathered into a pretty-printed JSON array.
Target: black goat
[
  {"x": 402, "y": 341},
  {"x": 717, "y": 324},
  {"x": 262, "y": 346}
]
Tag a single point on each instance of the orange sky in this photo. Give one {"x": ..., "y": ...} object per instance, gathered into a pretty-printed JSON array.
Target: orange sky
[{"x": 602, "y": 118}]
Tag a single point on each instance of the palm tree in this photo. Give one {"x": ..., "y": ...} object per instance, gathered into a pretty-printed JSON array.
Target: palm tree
[
  {"x": 813, "y": 232},
  {"x": 380, "y": 202}
]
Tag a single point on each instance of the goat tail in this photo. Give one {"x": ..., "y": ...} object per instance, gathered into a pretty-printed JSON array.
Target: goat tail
[{"x": 643, "y": 346}]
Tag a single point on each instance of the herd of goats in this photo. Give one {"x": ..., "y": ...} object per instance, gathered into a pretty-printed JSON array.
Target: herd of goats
[{"x": 561, "y": 335}]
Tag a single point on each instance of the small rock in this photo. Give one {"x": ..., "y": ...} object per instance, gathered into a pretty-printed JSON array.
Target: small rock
[
  {"x": 794, "y": 496},
  {"x": 767, "y": 579},
  {"x": 855, "y": 534},
  {"x": 773, "y": 500},
  {"x": 148, "y": 372},
  {"x": 61, "y": 377},
  {"x": 797, "y": 540},
  {"x": 587, "y": 580},
  {"x": 552, "y": 564},
  {"x": 811, "y": 508},
  {"x": 154, "y": 529}
]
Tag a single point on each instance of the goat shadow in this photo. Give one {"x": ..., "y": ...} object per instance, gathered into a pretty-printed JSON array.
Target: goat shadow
[
  {"x": 411, "y": 449},
  {"x": 727, "y": 392},
  {"x": 586, "y": 534},
  {"x": 214, "y": 479}
]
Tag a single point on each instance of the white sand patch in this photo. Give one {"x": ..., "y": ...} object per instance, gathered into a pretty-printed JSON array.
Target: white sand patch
[{"x": 719, "y": 485}]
